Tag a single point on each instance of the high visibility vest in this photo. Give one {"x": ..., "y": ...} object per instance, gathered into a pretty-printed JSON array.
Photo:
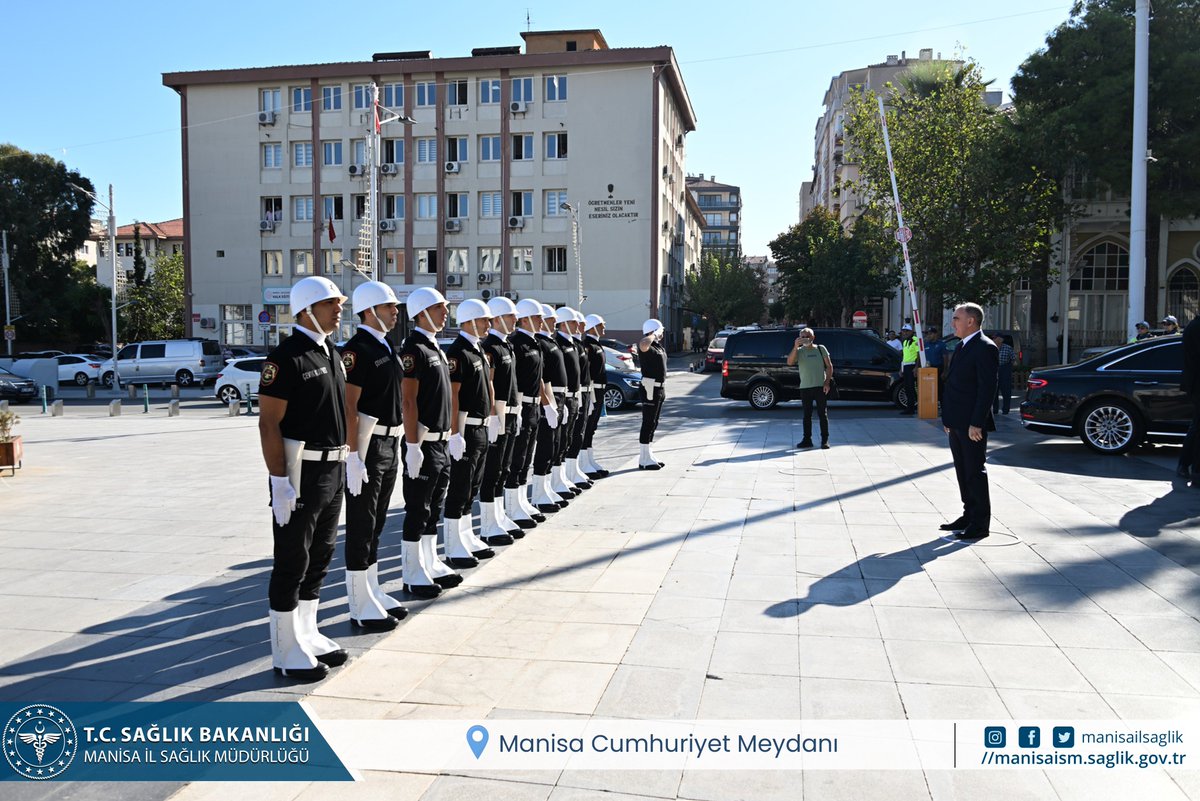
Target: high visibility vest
[{"x": 910, "y": 352}]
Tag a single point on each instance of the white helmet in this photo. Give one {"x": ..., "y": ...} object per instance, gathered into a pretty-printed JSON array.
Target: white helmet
[
  {"x": 313, "y": 289},
  {"x": 651, "y": 326},
  {"x": 548, "y": 313},
  {"x": 501, "y": 305},
  {"x": 372, "y": 294},
  {"x": 565, "y": 314},
  {"x": 592, "y": 320},
  {"x": 472, "y": 309},
  {"x": 529, "y": 308},
  {"x": 421, "y": 299}
]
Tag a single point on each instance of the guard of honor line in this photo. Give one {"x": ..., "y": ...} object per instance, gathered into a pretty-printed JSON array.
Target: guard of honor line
[{"x": 521, "y": 387}]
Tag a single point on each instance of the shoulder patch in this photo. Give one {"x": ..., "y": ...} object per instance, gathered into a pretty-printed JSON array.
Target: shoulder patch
[
  {"x": 408, "y": 363},
  {"x": 269, "y": 371},
  {"x": 348, "y": 360},
  {"x": 453, "y": 365}
]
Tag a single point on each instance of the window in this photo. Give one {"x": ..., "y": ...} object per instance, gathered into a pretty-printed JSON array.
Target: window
[
  {"x": 556, "y": 88},
  {"x": 269, "y": 100},
  {"x": 555, "y": 198},
  {"x": 456, "y": 260},
  {"x": 360, "y": 206},
  {"x": 456, "y": 92},
  {"x": 490, "y": 205},
  {"x": 301, "y": 262},
  {"x": 302, "y": 153},
  {"x": 1104, "y": 267},
  {"x": 362, "y": 96},
  {"x": 392, "y": 95},
  {"x": 272, "y": 209},
  {"x": 457, "y": 206},
  {"x": 712, "y": 237},
  {"x": 489, "y": 148},
  {"x": 489, "y": 260},
  {"x": 710, "y": 200},
  {"x": 556, "y": 145},
  {"x": 1183, "y": 293},
  {"x": 522, "y": 260},
  {"x": 393, "y": 151},
  {"x": 331, "y": 154},
  {"x": 522, "y": 147},
  {"x": 427, "y": 262},
  {"x": 489, "y": 91},
  {"x": 426, "y": 93},
  {"x": 272, "y": 156},
  {"x": 358, "y": 147},
  {"x": 733, "y": 216},
  {"x": 556, "y": 260},
  {"x": 426, "y": 207},
  {"x": 153, "y": 351},
  {"x": 302, "y": 209},
  {"x": 331, "y": 98},
  {"x": 522, "y": 89},
  {"x": 332, "y": 207},
  {"x": 522, "y": 204},
  {"x": 331, "y": 258},
  {"x": 393, "y": 207},
  {"x": 427, "y": 150},
  {"x": 456, "y": 148},
  {"x": 1163, "y": 359},
  {"x": 272, "y": 261},
  {"x": 393, "y": 261},
  {"x": 713, "y": 219},
  {"x": 301, "y": 100}
]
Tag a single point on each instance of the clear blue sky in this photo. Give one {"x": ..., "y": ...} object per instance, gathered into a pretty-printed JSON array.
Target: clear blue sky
[{"x": 83, "y": 81}]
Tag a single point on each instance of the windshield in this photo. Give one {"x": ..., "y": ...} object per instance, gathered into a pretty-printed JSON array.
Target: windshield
[{"x": 717, "y": 344}]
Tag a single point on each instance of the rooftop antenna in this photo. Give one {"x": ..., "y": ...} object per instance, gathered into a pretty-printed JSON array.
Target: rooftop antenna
[{"x": 528, "y": 24}]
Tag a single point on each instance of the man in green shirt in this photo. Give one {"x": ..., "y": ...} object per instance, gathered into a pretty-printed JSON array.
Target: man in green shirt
[{"x": 816, "y": 376}]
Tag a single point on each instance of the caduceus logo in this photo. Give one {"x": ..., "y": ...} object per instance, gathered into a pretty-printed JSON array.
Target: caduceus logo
[{"x": 40, "y": 742}]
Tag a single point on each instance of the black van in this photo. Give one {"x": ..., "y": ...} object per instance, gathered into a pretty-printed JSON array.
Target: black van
[{"x": 755, "y": 366}]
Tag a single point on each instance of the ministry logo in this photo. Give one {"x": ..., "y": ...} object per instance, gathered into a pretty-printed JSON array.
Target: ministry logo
[{"x": 40, "y": 742}]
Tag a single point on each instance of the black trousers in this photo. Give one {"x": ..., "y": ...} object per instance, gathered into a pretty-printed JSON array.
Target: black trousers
[
  {"x": 547, "y": 440},
  {"x": 566, "y": 429},
  {"x": 466, "y": 474},
  {"x": 811, "y": 395},
  {"x": 970, "y": 467},
  {"x": 579, "y": 425},
  {"x": 425, "y": 495},
  {"x": 523, "y": 446},
  {"x": 366, "y": 513},
  {"x": 1004, "y": 388},
  {"x": 304, "y": 547},
  {"x": 1190, "y": 456},
  {"x": 593, "y": 419},
  {"x": 651, "y": 411},
  {"x": 908, "y": 373},
  {"x": 499, "y": 456}
]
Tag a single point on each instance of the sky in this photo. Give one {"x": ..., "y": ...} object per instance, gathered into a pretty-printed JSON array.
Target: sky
[{"x": 83, "y": 81}]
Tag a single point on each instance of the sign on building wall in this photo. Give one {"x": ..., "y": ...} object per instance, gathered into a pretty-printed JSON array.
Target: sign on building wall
[{"x": 612, "y": 209}]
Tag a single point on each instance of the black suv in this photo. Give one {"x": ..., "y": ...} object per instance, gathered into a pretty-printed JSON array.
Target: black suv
[{"x": 755, "y": 367}]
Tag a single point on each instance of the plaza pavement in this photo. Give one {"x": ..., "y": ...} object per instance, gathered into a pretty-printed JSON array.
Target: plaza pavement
[{"x": 744, "y": 581}]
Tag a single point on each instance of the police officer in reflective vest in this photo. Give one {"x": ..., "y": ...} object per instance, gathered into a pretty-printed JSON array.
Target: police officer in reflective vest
[
  {"x": 302, "y": 429},
  {"x": 597, "y": 365},
  {"x": 533, "y": 391},
  {"x": 560, "y": 479},
  {"x": 425, "y": 388},
  {"x": 654, "y": 375},
  {"x": 373, "y": 437},
  {"x": 493, "y": 522},
  {"x": 554, "y": 372}
]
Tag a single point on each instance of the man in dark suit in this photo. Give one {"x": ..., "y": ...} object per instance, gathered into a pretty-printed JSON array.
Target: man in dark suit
[
  {"x": 970, "y": 386},
  {"x": 1189, "y": 460}
]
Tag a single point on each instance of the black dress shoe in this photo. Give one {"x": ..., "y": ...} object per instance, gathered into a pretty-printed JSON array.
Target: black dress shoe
[
  {"x": 398, "y": 612},
  {"x": 971, "y": 533},
  {"x": 423, "y": 590},
  {"x": 375, "y": 624},
  {"x": 446, "y": 582},
  {"x": 564, "y": 503},
  {"x": 804, "y": 443},
  {"x": 651, "y": 466},
  {"x": 526, "y": 522},
  {"x": 460, "y": 564},
  {"x": 483, "y": 553},
  {"x": 334, "y": 658},
  {"x": 499, "y": 539},
  {"x": 548, "y": 507},
  {"x": 957, "y": 525},
  {"x": 824, "y": 446},
  {"x": 304, "y": 674}
]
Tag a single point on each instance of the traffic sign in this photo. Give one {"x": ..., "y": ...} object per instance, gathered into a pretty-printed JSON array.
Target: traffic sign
[
  {"x": 860, "y": 319},
  {"x": 265, "y": 326},
  {"x": 264, "y": 316},
  {"x": 10, "y": 332},
  {"x": 903, "y": 234}
]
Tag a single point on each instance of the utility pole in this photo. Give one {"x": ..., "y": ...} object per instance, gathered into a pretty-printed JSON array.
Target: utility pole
[
  {"x": 7, "y": 294},
  {"x": 1137, "y": 184}
]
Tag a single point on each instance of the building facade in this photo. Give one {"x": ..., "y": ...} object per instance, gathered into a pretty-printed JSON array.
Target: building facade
[
  {"x": 555, "y": 172},
  {"x": 721, "y": 206}
]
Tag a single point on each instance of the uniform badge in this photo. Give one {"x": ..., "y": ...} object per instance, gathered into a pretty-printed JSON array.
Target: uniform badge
[
  {"x": 408, "y": 362},
  {"x": 453, "y": 365},
  {"x": 348, "y": 359},
  {"x": 269, "y": 371}
]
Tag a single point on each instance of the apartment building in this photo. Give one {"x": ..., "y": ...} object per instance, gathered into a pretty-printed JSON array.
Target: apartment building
[
  {"x": 506, "y": 151},
  {"x": 721, "y": 205},
  {"x": 766, "y": 267}
]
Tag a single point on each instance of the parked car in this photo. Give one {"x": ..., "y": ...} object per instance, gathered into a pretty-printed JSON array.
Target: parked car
[
  {"x": 618, "y": 345},
  {"x": 15, "y": 388},
  {"x": 714, "y": 354},
  {"x": 755, "y": 368},
  {"x": 78, "y": 368},
  {"x": 619, "y": 360},
  {"x": 231, "y": 352},
  {"x": 1114, "y": 401},
  {"x": 38, "y": 354},
  {"x": 623, "y": 388},
  {"x": 180, "y": 361},
  {"x": 239, "y": 379}
]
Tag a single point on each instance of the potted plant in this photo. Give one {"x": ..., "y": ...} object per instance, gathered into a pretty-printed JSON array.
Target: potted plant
[{"x": 10, "y": 443}]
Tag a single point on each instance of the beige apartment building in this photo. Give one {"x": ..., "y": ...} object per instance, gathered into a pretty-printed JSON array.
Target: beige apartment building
[
  {"x": 507, "y": 150},
  {"x": 721, "y": 206}
]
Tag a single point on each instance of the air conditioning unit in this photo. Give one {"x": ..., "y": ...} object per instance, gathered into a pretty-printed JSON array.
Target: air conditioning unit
[
  {"x": 358, "y": 170},
  {"x": 387, "y": 225},
  {"x": 453, "y": 279},
  {"x": 208, "y": 322},
  {"x": 266, "y": 118},
  {"x": 266, "y": 225},
  {"x": 452, "y": 166},
  {"x": 486, "y": 294},
  {"x": 678, "y": 239},
  {"x": 679, "y": 140},
  {"x": 513, "y": 296},
  {"x": 516, "y": 222},
  {"x": 518, "y": 106},
  {"x": 484, "y": 278},
  {"x": 453, "y": 226},
  {"x": 390, "y": 169}
]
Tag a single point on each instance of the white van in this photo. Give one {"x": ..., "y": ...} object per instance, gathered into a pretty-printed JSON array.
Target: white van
[{"x": 173, "y": 361}]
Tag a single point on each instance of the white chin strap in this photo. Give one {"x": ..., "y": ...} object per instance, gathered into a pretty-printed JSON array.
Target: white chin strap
[{"x": 316, "y": 325}]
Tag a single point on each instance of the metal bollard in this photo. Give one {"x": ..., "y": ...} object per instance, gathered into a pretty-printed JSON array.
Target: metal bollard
[
  {"x": 175, "y": 391},
  {"x": 56, "y": 409},
  {"x": 3, "y": 406},
  {"x": 44, "y": 406},
  {"x": 249, "y": 405},
  {"x": 91, "y": 390},
  {"x": 132, "y": 388},
  {"x": 173, "y": 409},
  {"x": 235, "y": 408},
  {"x": 146, "y": 399},
  {"x": 114, "y": 408}
]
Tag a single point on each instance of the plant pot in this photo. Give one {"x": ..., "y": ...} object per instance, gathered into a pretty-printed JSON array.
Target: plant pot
[{"x": 11, "y": 453}]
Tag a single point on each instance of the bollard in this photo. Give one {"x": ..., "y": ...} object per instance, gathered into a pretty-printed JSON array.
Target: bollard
[
  {"x": 56, "y": 409},
  {"x": 175, "y": 391},
  {"x": 114, "y": 408},
  {"x": 3, "y": 406},
  {"x": 44, "y": 406},
  {"x": 146, "y": 399},
  {"x": 173, "y": 409},
  {"x": 249, "y": 405},
  {"x": 91, "y": 390},
  {"x": 132, "y": 389},
  {"x": 235, "y": 408}
]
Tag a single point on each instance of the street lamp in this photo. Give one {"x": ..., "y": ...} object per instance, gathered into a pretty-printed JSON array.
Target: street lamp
[
  {"x": 112, "y": 254},
  {"x": 574, "y": 212}
]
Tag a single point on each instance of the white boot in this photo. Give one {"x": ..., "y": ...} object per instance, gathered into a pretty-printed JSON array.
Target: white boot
[
  {"x": 490, "y": 530},
  {"x": 417, "y": 579},
  {"x": 458, "y": 553},
  {"x": 647, "y": 460},
  {"x": 365, "y": 610},
  {"x": 506, "y": 523},
  {"x": 291, "y": 655},
  {"x": 593, "y": 465},
  {"x": 478, "y": 548},
  {"x": 515, "y": 509},
  {"x": 389, "y": 604},
  {"x": 544, "y": 498},
  {"x": 443, "y": 576},
  {"x": 559, "y": 483},
  {"x": 575, "y": 474},
  {"x": 324, "y": 649},
  {"x": 523, "y": 493}
]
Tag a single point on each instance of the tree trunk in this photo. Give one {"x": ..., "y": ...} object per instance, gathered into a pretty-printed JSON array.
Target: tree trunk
[{"x": 1039, "y": 306}]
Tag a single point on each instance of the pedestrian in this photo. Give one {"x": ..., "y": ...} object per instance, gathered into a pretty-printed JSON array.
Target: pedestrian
[
  {"x": 1189, "y": 459},
  {"x": 1170, "y": 326},
  {"x": 892, "y": 340},
  {"x": 909, "y": 353},
  {"x": 967, "y": 419},
  {"x": 594, "y": 326},
  {"x": 535, "y": 396},
  {"x": 493, "y": 522},
  {"x": 302, "y": 431},
  {"x": 554, "y": 417},
  {"x": 816, "y": 377},
  {"x": 935, "y": 351},
  {"x": 425, "y": 390},
  {"x": 1141, "y": 331},
  {"x": 654, "y": 377},
  {"x": 373, "y": 408},
  {"x": 1004, "y": 376}
]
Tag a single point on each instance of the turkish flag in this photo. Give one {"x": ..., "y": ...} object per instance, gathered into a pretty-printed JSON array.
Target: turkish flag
[{"x": 332, "y": 233}]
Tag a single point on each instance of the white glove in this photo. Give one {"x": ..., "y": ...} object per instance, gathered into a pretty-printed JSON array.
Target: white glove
[
  {"x": 356, "y": 473},
  {"x": 493, "y": 426},
  {"x": 414, "y": 457},
  {"x": 551, "y": 414},
  {"x": 458, "y": 446},
  {"x": 283, "y": 499}
]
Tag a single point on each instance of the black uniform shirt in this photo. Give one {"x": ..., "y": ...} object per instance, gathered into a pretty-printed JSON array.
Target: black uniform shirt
[
  {"x": 420, "y": 358},
  {"x": 504, "y": 368},
  {"x": 554, "y": 369},
  {"x": 309, "y": 377},
  {"x": 373, "y": 366},
  {"x": 570, "y": 361},
  {"x": 469, "y": 369},
  {"x": 596, "y": 361},
  {"x": 529, "y": 363},
  {"x": 654, "y": 363},
  {"x": 585, "y": 375}
]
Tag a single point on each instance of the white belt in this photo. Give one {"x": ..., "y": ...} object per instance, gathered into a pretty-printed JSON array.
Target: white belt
[
  {"x": 557, "y": 389},
  {"x": 523, "y": 398},
  {"x": 331, "y": 455},
  {"x": 474, "y": 421},
  {"x": 435, "y": 436},
  {"x": 654, "y": 383},
  {"x": 387, "y": 431}
]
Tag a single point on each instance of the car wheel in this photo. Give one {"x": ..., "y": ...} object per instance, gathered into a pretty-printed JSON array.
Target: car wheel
[
  {"x": 763, "y": 395},
  {"x": 613, "y": 397},
  {"x": 229, "y": 393},
  {"x": 1110, "y": 426},
  {"x": 81, "y": 379},
  {"x": 899, "y": 396},
  {"x": 184, "y": 378},
  {"x": 108, "y": 379}
]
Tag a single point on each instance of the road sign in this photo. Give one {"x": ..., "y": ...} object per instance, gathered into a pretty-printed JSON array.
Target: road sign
[
  {"x": 264, "y": 316},
  {"x": 860, "y": 319},
  {"x": 10, "y": 332},
  {"x": 903, "y": 234},
  {"x": 265, "y": 326}
]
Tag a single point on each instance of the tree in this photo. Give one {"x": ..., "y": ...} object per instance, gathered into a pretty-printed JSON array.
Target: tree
[
  {"x": 155, "y": 309},
  {"x": 90, "y": 304},
  {"x": 724, "y": 292},
  {"x": 139, "y": 257}
]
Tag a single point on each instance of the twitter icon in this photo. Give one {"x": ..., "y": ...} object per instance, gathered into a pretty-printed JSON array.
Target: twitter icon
[{"x": 1064, "y": 736}]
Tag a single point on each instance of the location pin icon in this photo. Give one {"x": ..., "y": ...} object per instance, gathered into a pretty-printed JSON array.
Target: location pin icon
[{"x": 477, "y": 738}]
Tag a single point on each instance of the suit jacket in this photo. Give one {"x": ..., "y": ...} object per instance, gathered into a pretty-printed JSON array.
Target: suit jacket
[
  {"x": 1191, "y": 359},
  {"x": 970, "y": 385}
]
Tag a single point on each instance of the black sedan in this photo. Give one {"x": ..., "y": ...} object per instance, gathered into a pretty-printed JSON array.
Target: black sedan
[
  {"x": 1114, "y": 401},
  {"x": 16, "y": 388},
  {"x": 624, "y": 388}
]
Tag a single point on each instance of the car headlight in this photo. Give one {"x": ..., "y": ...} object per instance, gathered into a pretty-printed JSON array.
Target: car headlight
[
  {"x": 633, "y": 382},
  {"x": 7, "y": 385}
]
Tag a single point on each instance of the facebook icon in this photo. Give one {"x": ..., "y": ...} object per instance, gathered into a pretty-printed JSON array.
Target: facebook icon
[{"x": 1029, "y": 737}]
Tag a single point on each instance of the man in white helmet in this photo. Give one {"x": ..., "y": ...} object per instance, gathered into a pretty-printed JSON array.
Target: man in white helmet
[
  {"x": 373, "y": 437},
  {"x": 302, "y": 430},
  {"x": 561, "y": 480},
  {"x": 597, "y": 365},
  {"x": 545, "y": 456},
  {"x": 494, "y": 524},
  {"x": 533, "y": 391},
  {"x": 654, "y": 375},
  {"x": 425, "y": 388},
  {"x": 571, "y": 465}
]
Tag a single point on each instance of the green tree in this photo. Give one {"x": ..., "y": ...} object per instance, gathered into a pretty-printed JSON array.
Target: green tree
[
  {"x": 155, "y": 309},
  {"x": 90, "y": 304},
  {"x": 139, "y": 257},
  {"x": 724, "y": 292}
]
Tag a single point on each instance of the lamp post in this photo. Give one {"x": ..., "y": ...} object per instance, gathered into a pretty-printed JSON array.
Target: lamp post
[
  {"x": 574, "y": 212},
  {"x": 112, "y": 254}
]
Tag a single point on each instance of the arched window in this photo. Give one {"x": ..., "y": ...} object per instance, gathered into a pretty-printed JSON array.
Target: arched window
[
  {"x": 1183, "y": 293},
  {"x": 1099, "y": 289}
]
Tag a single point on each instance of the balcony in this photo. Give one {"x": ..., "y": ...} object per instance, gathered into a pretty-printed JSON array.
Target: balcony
[{"x": 724, "y": 205}]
